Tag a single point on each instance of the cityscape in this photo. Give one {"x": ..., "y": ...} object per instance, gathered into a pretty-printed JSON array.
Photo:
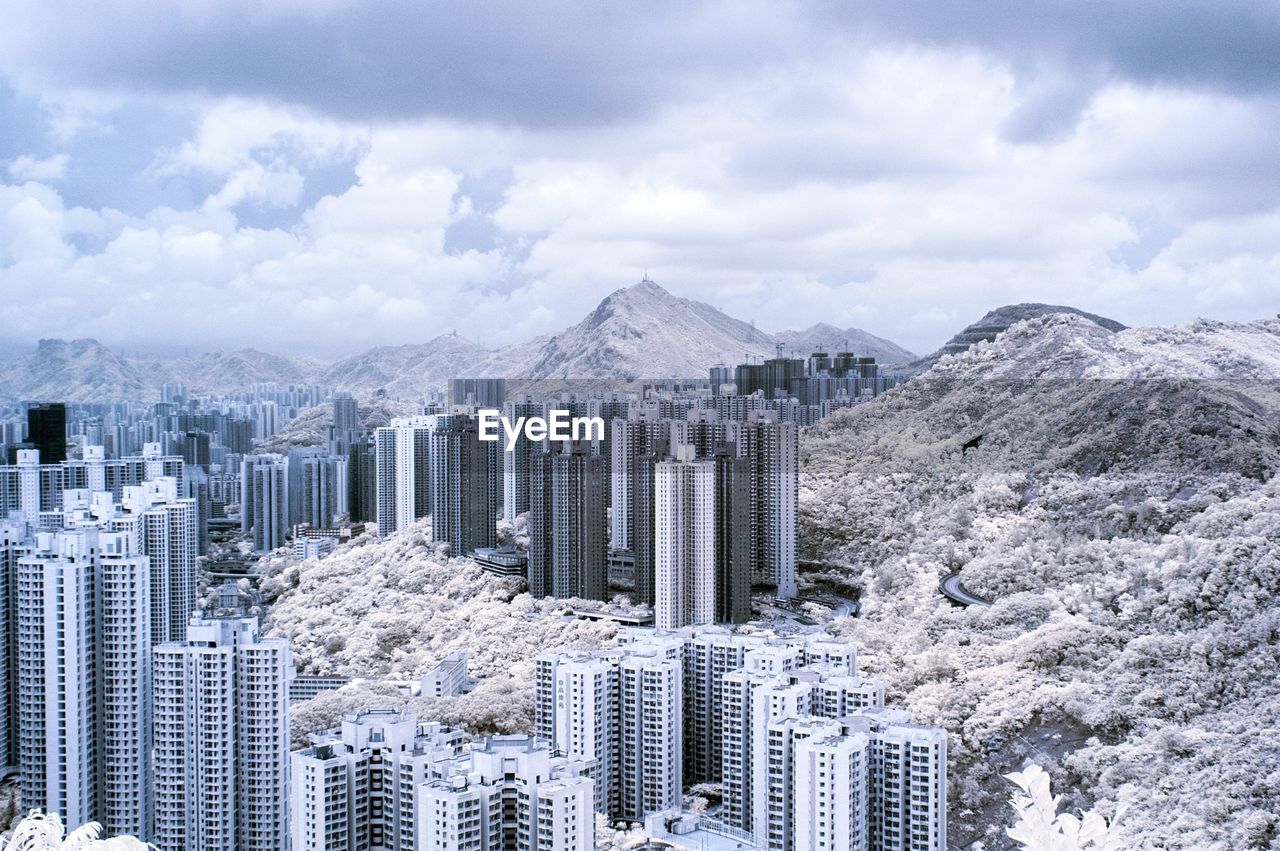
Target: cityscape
[
  {"x": 714, "y": 426},
  {"x": 169, "y": 718}
]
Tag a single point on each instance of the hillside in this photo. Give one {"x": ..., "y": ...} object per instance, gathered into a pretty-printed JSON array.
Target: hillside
[
  {"x": 1123, "y": 517},
  {"x": 829, "y": 338},
  {"x": 225, "y": 372},
  {"x": 408, "y": 371},
  {"x": 1000, "y": 320},
  {"x": 311, "y": 426},
  {"x": 74, "y": 371},
  {"x": 88, "y": 371},
  {"x": 395, "y": 607}
]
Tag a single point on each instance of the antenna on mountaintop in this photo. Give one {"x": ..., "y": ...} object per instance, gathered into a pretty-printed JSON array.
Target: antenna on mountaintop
[{"x": 646, "y": 279}]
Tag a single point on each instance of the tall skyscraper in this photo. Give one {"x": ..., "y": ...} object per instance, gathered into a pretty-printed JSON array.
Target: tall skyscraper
[
  {"x": 403, "y": 472},
  {"x": 346, "y": 415},
  {"x": 734, "y": 551},
  {"x": 774, "y": 450},
  {"x": 624, "y": 710},
  {"x": 362, "y": 480},
  {"x": 221, "y": 738},
  {"x": 907, "y": 782},
  {"x": 265, "y": 491},
  {"x": 47, "y": 430},
  {"x": 685, "y": 537},
  {"x": 515, "y": 461},
  {"x": 541, "y": 566},
  {"x": 165, "y": 527},
  {"x": 13, "y": 546},
  {"x": 322, "y": 490},
  {"x": 567, "y": 524},
  {"x": 464, "y": 504},
  {"x": 651, "y": 723},
  {"x": 83, "y": 639},
  {"x": 637, "y": 436}
]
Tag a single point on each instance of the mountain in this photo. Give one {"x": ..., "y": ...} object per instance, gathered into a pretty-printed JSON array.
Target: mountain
[
  {"x": 828, "y": 338},
  {"x": 219, "y": 372},
  {"x": 1068, "y": 345},
  {"x": 998, "y": 321},
  {"x": 640, "y": 331},
  {"x": 407, "y": 371},
  {"x": 1116, "y": 494},
  {"x": 74, "y": 371}
]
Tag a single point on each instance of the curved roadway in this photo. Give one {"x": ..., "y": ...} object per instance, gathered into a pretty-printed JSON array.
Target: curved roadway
[{"x": 954, "y": 590}]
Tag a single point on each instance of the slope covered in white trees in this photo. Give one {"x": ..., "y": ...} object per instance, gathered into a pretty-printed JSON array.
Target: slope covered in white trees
[
  {"x": 395, "y": 607},
  {"x": 1125, "y": 519},
  {"x": 311, "y": 426}
]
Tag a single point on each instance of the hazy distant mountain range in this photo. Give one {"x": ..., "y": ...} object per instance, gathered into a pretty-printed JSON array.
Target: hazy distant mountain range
[{"x": 640, "y": 331}]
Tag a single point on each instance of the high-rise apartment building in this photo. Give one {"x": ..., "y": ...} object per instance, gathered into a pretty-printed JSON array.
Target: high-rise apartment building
[
  {"x": 402, "y": 460},
  {"x": 322, "y": 490},
  {"x": 685, "y": 537},
  {"x": 568, "y": 534},
  {"x": 47, "y": 430},
  {"x": 734, "y": 543},
  {"x": 515, "y": 461},
  {"x": 907, "y": 786},
  {"x": 774, "y": 450},
  {"x": 265, "y": 491},
  {"x": 221, "y": 738},
  {"x": 464, "y": 499},
  {"x": 386, "y": 782},
  {"x": 82, "y": 642},
  {"x": 508, "y": 792},
  {"x": 624, "y": 712},
  {"x": 357, "y": 787},
  {"x": 346, "y": 415},
  {"x": 641, "y": 434},
  {"x": 166, "y": 531}
]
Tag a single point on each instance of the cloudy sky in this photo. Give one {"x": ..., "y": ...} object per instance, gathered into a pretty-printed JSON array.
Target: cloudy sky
[{"x": 319, "y": 176}]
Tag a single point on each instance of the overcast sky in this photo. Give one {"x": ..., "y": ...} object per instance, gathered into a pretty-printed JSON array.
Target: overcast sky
[{"x": 320, "y": 176}]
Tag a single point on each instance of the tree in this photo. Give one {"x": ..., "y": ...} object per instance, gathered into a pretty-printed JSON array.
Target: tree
[
  {"x": 38, "y": 832},
  {"x": 1041, "y": 827}
]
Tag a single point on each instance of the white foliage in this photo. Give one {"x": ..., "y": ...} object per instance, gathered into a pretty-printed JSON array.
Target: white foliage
[
  {"x": 1040, "y": 827},
  {"x": 38, "y": 832},
  {"x": 1126, "y": 530}
]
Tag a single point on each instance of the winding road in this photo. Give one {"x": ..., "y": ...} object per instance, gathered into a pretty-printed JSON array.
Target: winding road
[{"x": 954, "y": 590}]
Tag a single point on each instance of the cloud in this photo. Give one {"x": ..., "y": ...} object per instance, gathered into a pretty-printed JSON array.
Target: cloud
[
  {"x": 52, "y": 168},
  {"x": 317, "y": 177}
]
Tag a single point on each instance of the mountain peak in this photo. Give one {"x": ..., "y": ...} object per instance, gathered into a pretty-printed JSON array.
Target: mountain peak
[
  {"x": 997, "y": 321},
  {"x": 644, "y": 292}
]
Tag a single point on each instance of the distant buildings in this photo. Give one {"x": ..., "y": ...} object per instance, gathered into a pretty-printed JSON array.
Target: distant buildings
[
  {"x": 47, "y": 430},
  {"x": 465, "y": 484},
  {"x": 403, "y": 472},
  {"x": 346, "y": 415},
  {"x": 265, "y": 511},
  {"x": 449, "y": 678},
  {"x": 685, "y": 539},
  {"x": 568, "y": 534}
]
